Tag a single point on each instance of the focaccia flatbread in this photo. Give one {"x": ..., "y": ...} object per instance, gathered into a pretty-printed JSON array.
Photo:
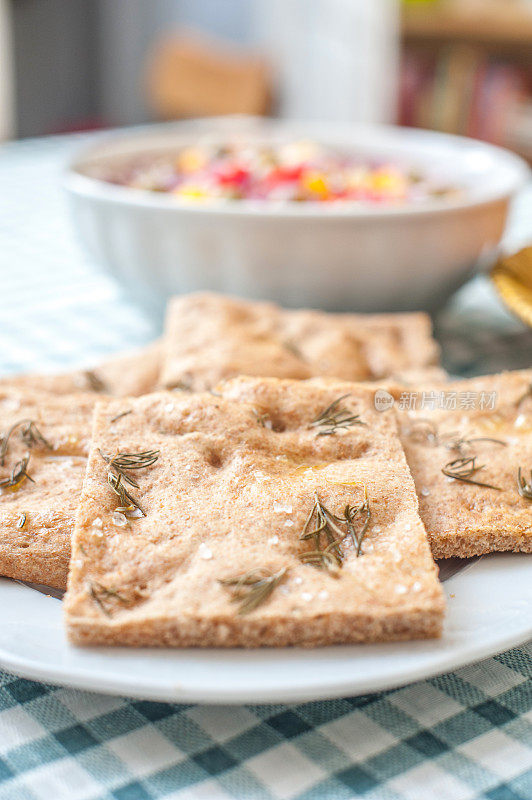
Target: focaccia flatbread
[
  {"x": 219, "y": 558},
  {"x": 209, "y": 338},
  {"x": 482, "y": 433},
  {"x": 132, "y": 373},
  {"x": 39, "y": 497}
]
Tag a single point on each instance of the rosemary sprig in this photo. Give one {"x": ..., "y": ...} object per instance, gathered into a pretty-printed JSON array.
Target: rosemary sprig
[
  {"x": 122, "y": 414},
  {"x": 18, "y": 474},
  {"x": 292, "y": 348},
  {"x": 426, "y": 431},
  {"x": 463, "y": 468},
  {"x": 524, "y": 488},
  {"x": 95, "y": 383},
  {"x": 102, "y": 594},
  {"x": 453, "y": 441},
  {"x": 128, "y": 461},
  {"x": 117, "y": 476},
  {"x": 253, "y": 588},
  {"x": 262, "y": 419},
  {"x": 30, "y": 435},
  {"x": 336, "y": 529},
  {"x": 350, "y": 513},
  {"x": 329, "y": 557},
  {"x": 335, "y": 417},
  {"x": 128, "y": 504}
]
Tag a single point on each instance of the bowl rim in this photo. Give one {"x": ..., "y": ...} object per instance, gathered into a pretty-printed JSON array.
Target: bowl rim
[{"x": 78, "y": 184}]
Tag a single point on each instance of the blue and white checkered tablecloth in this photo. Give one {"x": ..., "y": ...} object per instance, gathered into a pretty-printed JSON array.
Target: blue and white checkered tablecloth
[{"x": 462, "y": 736}]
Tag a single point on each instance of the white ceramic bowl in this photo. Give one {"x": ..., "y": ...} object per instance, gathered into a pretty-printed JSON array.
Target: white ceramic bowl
[{"x": 338, "y": 256}]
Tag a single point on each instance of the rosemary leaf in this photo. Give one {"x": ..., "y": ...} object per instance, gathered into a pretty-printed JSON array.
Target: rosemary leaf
[
  {"x": 524, "y": 488},
  {"x": 102, "y": 594},
  {"x": 95, "y": 383},
  {"x": 30, "y": 435},
  {"x": 18, "y": 475},
  {"x": 463, "y": 446},
  {"x": 117, "y": 476},
  {"x": 330, "y": 554},
  {"x": 335, "y": 417},
  {"x": 253, "y": 588},
  {"x": 122, "y": 414},
  {"x": 463, "y": 469}
]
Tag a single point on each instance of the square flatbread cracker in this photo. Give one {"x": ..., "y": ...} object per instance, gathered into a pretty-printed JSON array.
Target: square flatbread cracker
[
  {"x": 132, "y": 373},
  {"x": 486, "y": 430},
  {"x": 226, "y": 504},
  {"x": 211, "y": 337},
  {"x": 37, "y": 514}
]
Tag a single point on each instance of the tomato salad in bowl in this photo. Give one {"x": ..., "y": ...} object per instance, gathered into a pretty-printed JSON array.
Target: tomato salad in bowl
[{"x": 296, "y": 171}]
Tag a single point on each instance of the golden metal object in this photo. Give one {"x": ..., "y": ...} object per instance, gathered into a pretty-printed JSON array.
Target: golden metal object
[{"x": 512, "y": 277}]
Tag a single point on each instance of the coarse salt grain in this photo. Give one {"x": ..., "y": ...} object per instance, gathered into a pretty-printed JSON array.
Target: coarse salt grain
[
  {"x": 298, "y": 580},
  {"x": 279, "y": 508},
  {"x": 288, "y": 523},
  {"x": 306, "y": 596},
  {"x": 323, "y": 595},
  {"x": 204, "y": 551},
  {"x": 119, "y": 519},
  {"x": 520, "y": 421},
  {"x": 169, "y": 407},
  {"x": 416, "y": 586},
  {"x": 97, "y": 523},
  {"x": 273, "y": 540},
  {"x": 377, "y": 529},
  {"x": 400, "y": 589},
  {"x": 408, "y": 527},
  {"x": 425, "y": 492},
  {"x": 136, "y": 514}
]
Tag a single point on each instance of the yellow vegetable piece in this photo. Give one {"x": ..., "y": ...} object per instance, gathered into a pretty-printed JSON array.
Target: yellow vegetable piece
[
  {"x": 192, "y": 192},
  {"x": 191, "y": 159},
  {"x": 315, "y": 183},
  {"x": 388, "y": 182}
]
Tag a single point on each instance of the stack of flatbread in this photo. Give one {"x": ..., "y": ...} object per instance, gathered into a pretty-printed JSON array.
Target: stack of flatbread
[{"x": 261, "y": 476}]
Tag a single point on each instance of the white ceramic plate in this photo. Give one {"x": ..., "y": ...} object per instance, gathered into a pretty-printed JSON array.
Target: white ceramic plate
[{"x": 489, "y": 610}]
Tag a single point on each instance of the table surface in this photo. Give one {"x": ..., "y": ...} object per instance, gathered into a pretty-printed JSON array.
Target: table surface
[{"x": 466, "y": 735}]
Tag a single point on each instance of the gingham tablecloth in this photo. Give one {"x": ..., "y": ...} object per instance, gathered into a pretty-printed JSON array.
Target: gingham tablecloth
[{"x": 462, "y": 736}]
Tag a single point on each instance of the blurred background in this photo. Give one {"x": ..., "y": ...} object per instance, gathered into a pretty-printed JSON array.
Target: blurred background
[
  {"x": 461, "y": 66},
  {"x": 67, "y": 66}
]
